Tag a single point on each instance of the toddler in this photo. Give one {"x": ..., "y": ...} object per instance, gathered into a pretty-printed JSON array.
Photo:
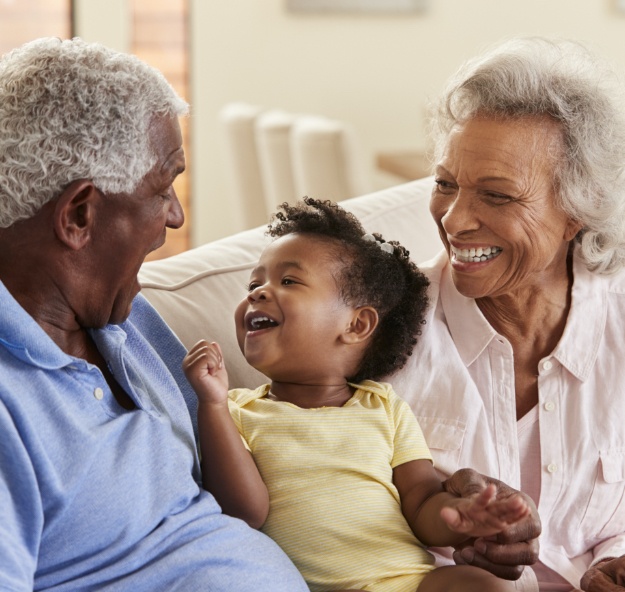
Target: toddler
[{"x": 339, "y": 473}]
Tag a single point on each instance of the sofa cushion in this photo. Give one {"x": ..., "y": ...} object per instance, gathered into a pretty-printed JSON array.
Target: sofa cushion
[{"x": 197, "y": 291}]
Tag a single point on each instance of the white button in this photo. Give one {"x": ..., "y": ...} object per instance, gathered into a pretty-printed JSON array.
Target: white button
[
  {"x": 550, "y": 405},
  {"x": 98, "y": 393},
  {"x": 547, "y": 365},
  {"x": 552, "y": 467}
]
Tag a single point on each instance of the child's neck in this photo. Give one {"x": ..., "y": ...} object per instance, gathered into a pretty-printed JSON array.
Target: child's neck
[{"x": 310, "y": 396}]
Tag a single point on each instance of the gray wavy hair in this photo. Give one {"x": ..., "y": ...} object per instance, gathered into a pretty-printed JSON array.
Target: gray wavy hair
[
  {"x": 563, "y": 80},
  {"x": 75, "y": 110}
]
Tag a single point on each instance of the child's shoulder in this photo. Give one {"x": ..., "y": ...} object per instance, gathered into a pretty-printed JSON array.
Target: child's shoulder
[
  {"x": 384, "y": 390},
  {"x": 243, "y": 396}
]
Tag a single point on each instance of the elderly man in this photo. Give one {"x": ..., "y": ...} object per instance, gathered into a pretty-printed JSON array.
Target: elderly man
[{"x": 99, "y": 475}]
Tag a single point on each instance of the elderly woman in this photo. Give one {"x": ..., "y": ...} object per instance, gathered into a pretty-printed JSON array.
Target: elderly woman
[
  {"x": 525, "y": 346},
  {"x": 99, "y": 475}
]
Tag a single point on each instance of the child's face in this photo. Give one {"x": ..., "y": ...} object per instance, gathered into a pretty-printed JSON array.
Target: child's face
[{"x": 289, "y": 325}]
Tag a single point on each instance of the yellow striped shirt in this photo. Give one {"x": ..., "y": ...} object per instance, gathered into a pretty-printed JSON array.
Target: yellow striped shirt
[{"x": 329, "y": 471}]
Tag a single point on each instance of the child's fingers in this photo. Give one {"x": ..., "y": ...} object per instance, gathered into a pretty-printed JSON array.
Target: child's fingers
[
  {"x": 485, "y": 497},
  {"x": 471, "y": 522},
  {"x": 484, "y": 515},
  {"x": 511, "y": 509},
  {"x": 204, "y": 354}
]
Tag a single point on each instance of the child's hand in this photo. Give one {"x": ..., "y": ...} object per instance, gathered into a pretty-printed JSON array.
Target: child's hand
[
  {"x": 205, "y": 370},
  {"x": 483, "y": 515}
]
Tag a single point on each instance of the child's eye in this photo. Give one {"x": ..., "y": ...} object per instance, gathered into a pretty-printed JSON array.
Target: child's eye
[
  {"x": 252, "y": 286},
  {"x": 288, "y": 282}
]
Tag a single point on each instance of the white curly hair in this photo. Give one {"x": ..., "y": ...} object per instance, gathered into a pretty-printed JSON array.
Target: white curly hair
[
  {"x": 562, "y": 79},
  {"x": 75, "y": 110}
]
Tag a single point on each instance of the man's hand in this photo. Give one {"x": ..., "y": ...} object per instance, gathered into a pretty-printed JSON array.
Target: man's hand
[
  {"x": 606, "y": 576},
  {"x": 507, "y": 553}
]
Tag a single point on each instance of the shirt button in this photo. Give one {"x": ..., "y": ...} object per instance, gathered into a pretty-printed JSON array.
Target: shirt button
[
  {"x": 552, "y": 467},
  {"x": 550, "y": 405},
  {"x": 547, "y": 365},
  {"x": 98, "y": 393}
]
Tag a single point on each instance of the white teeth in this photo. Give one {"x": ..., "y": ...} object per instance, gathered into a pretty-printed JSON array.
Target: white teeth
[
  {"x": 258, "y": 323},
  {"x": 475, "y": 255},
  {"x": 255, "y": 322}
]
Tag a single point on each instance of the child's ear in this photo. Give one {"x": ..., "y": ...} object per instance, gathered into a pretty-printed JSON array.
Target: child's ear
[{"x": 363, "y": 324}]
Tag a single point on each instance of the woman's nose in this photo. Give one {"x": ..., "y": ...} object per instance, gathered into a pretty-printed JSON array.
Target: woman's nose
[{"x": 460, "y": 215}]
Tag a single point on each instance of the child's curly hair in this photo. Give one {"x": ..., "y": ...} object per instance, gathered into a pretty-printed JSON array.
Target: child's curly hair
[{"x": 370, "y": 276}]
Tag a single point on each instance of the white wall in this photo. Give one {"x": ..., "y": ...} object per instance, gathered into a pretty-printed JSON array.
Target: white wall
[
  {"x": 375, "y": 72},
  {"x": 103, "y": 22}
]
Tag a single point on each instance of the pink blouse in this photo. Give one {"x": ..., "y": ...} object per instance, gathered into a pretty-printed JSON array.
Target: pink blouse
[{"x": 460, "y": 384}]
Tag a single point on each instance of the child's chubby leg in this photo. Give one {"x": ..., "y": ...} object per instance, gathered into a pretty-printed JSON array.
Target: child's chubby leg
[{"x": 463, "y": 578}]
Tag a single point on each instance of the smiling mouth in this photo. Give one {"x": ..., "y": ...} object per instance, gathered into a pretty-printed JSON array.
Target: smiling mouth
[
  {"x": 475, "y": 255},
  {"x": 257, "y": 322}
]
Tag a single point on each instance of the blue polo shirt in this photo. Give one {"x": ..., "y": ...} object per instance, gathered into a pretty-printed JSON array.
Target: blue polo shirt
[{"x": 96, "y": 497}]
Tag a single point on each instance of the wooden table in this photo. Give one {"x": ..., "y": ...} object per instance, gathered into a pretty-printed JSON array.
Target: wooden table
[{"x": 407, "y": 164}]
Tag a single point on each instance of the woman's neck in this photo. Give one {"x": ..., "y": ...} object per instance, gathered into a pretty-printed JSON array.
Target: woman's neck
[
  {"x": 537, "y": 314},
  {"x": 533, "y": 321}
]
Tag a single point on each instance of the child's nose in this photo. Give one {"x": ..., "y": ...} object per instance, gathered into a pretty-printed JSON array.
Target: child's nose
[{"x": 258, "y": 293}]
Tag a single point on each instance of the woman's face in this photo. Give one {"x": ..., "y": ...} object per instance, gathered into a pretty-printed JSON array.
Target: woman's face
[{"x": 495, "y": 205}]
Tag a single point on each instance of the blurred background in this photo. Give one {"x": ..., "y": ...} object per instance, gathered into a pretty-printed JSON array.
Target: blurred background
[{"x": 374, "y": 66}]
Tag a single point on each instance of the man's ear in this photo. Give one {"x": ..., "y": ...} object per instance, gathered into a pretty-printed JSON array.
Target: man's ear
[
  {"x": 363, "y": 324},
  {"x": 74, "y": 213}
]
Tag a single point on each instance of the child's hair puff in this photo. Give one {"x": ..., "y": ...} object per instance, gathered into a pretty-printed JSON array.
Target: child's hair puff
[{"x": 370, "y": 276}]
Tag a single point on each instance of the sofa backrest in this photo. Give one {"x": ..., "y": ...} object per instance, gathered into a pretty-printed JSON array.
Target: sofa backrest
[{"x": 197, "y": 291}]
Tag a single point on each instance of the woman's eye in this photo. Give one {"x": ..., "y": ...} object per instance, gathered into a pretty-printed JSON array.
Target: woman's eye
[
  {"x": 444, "y": 186},
  {"x": 498, "y": 197}
]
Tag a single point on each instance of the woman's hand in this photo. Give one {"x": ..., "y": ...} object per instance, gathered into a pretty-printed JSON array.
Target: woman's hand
[
  {"x": 507, "y": 553},
  {"x": 205, "y": 370},
  {"x": 606, "y": 576}
]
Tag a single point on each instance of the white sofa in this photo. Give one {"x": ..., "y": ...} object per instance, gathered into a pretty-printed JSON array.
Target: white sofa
[{"x": 197, "y": 291}]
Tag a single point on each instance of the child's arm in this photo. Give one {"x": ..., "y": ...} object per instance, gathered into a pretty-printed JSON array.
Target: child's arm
[
  {"x": 440, "y": 519},
  {"x": 228, "y": 469}
]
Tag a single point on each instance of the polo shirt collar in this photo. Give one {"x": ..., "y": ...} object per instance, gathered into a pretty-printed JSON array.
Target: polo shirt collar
[{"x": 23, "y": 337}]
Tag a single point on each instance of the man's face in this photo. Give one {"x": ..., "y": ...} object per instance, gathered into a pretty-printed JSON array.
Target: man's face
[{"x": 131, "y": 225}]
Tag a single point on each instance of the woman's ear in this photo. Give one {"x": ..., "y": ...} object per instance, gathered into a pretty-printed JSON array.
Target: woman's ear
[
  {"x": 571, "y": 229},
  {"x": 363, "y": 324},
  {"x": 74, "y": 213}
]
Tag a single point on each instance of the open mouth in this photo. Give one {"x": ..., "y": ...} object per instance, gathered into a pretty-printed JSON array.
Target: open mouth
[
  {"x": 256, "y": 321},
  {"x": 475, "y": 255}
]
